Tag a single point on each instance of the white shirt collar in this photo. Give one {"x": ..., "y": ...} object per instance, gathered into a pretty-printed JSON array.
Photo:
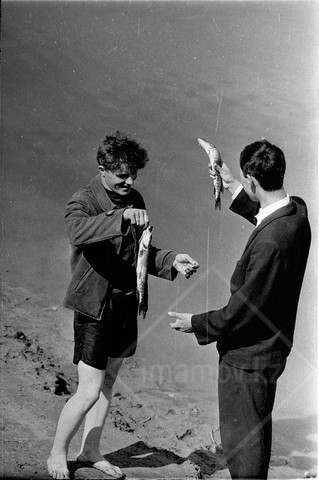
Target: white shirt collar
[{"x": 265, "y": 212}]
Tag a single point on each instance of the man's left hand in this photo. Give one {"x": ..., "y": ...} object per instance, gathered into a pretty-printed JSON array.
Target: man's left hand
[
  {"x": 183, "y": 322},
  {"x": 185, "y": 264}
]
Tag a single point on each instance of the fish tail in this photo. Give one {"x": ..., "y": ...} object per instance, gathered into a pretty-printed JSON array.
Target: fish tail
[
  {"x": 142, "y": 310},
  {"x": 217, "y": 203},
  {"x": 143, "y": 303}
]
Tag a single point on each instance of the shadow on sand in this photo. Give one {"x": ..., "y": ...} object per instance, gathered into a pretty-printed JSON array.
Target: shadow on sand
[
  {"x": 140, "y": 455},
  {"x": 294, "y": 444}
]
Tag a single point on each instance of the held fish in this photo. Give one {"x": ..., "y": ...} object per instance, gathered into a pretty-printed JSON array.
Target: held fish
[
  {"x": 215, "y": 159},
  {"x": 142, "y": 270}
]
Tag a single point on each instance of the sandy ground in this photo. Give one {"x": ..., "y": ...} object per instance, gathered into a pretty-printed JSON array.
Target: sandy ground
[{"x": 151, "y": 432}]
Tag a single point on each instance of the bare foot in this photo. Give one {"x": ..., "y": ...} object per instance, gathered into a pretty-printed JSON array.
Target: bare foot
[
  {"x": 102, "y": 465},
  {"x": 57, "y": 466}
]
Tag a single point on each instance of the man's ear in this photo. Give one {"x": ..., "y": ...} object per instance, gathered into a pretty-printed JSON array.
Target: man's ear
[
  {"x": 252, "y": 183},
  {"x": 101, "y": 168}
]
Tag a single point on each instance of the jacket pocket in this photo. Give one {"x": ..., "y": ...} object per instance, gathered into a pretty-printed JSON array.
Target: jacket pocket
[{"x": 81, "y": 284}]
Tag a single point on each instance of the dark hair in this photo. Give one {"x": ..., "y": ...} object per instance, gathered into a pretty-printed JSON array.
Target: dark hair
[
  {"x": 265, "y": 162},
  {"x": 119, "y": 149}
]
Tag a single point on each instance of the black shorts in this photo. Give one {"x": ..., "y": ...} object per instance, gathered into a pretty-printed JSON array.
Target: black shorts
[{"x": 115, "y": 335}]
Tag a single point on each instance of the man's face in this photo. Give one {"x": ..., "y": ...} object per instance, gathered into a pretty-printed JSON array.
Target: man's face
[{"x": 120, "y": 181}]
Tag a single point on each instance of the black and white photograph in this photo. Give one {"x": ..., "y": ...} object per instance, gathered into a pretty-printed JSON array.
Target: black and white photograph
[{"x": 159, "y": 239}]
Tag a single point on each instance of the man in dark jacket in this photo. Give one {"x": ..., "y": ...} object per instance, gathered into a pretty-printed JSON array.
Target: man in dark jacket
[
  {"x": 105, "y": 220},
  {"x": 254, "y": 331}
]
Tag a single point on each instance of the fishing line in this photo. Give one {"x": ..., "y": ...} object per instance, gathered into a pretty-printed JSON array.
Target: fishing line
[
  {"x": 219, "y": 108},
  {"x": 175, "y": 336},
  {"x": 207, "y": 272},
  {"x": 221, "y": 230},
  {"x": 138, "y": 26},
  {"x": 207, "y": 266}
]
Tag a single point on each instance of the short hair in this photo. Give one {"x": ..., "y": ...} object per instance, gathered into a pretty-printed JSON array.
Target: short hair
[
  {"x": 119, "y": 149},
  {"x": 265, "y": 162}
]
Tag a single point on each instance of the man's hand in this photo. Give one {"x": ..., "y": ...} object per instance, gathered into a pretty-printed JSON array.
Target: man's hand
[
  {"x": 229, "y": 181},
  {"x": 183, "y": 322},
  {"x": 185, "y": 265},
  {"x": 136, "y": 216}
]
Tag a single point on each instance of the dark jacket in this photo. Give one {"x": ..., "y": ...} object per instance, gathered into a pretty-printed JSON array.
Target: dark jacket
[
  {"x": 96, "y": 230},
  {"x": 256, "y": 327}
]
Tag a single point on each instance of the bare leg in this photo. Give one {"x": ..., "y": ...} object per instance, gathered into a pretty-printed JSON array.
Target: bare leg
[
  {"x": 95, "y": 420},
  {"x": 72, "y": 415}
]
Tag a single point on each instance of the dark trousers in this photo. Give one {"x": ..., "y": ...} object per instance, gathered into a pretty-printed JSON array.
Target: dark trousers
[{"x": 246, "y": 399}]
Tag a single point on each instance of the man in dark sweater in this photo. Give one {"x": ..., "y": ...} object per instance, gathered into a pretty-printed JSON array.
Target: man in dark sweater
[
  {"x": 254, "y": 331},
  {"x": 105, "y": 221}
]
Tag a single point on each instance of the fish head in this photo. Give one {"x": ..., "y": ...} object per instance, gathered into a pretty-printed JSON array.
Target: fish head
[
  {"x": 211, "y": 150},
  {"x": 205, "y": 145}
]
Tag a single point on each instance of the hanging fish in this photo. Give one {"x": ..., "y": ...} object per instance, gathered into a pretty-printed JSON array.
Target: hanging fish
[
  {"x": 142, "y": 270},
  {"x": 215, "y": 159}
]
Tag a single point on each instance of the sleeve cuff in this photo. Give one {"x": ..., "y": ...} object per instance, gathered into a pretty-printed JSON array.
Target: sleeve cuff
[{"x": 237, "y": 192}]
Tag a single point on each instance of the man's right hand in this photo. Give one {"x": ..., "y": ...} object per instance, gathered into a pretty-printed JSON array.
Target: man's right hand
[
  {"x": 136, "y": 216},
  {"x": 229, "y": 181}
]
